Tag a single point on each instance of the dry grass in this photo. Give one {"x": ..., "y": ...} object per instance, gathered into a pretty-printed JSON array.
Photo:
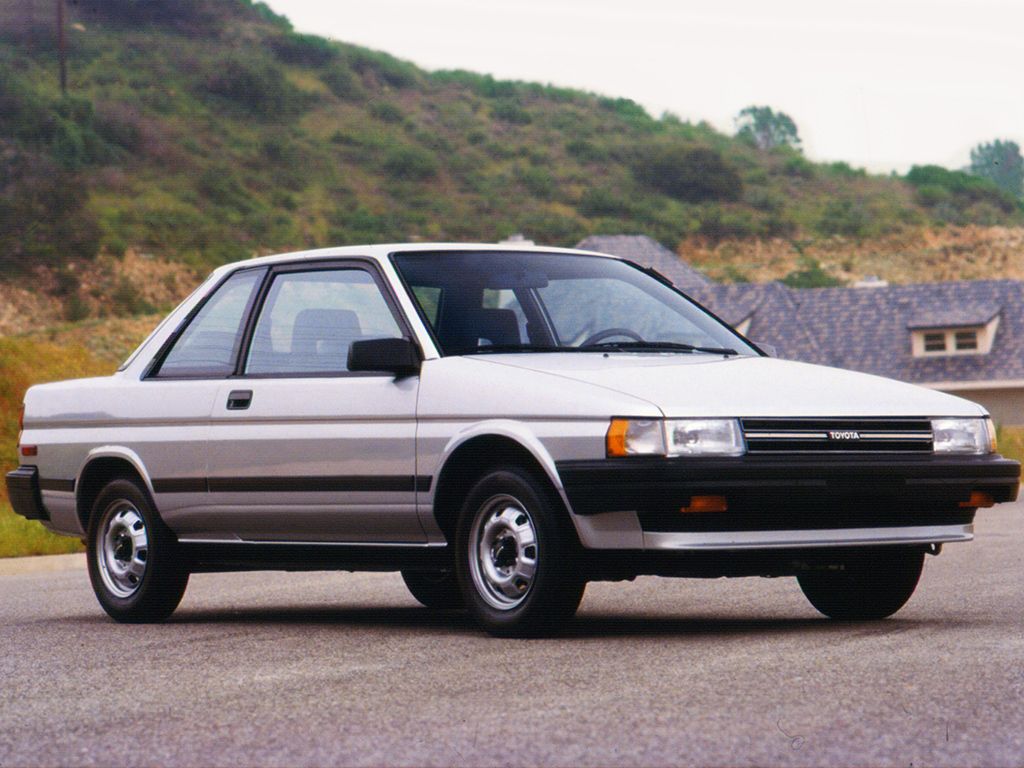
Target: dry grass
[{"x": 913, "y": 256}]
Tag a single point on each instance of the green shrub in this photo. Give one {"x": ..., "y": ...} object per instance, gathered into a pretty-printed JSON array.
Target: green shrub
[
  {"x": 387, "y": 112},
  {"x": 538, "y": 181},
  {"x": 810, "y": 274},
  {"x": 511, "y": 111},
  {"x": 586, "y": 151},
  {"x": 408, "y": 163},
  {"x": 306, "y": 50},
  {"x": 799, "y": 167},
  {"x": 691, "y": 174},
  {"x": 343, "y": 82},
  {"x": 601, "y": 201},
  {"x": 845, "y": 217},
  {"x": 256, "y": 85},
  {"x": 963, "y": 188},
  {"x": 383, "y": 67},
  {"x": 717, "y": 224},
  {"x": 623, "y": 107}
]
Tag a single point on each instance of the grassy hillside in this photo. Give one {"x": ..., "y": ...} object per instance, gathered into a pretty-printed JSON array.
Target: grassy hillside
[{"x": 207, "y": 130}]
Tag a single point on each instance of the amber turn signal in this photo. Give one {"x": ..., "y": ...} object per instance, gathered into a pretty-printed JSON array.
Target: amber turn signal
[
  {"x": 706, "y": 504},
  {"x": 978, "y": 499}
]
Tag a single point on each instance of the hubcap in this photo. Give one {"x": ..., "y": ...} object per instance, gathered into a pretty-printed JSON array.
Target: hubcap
[
  {"x": 503, "y": 552},
  {"x": 122, "y": 548}
]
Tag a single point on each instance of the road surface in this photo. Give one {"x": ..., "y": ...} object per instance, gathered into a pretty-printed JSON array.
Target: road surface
[{"x": 345, "y": 669}]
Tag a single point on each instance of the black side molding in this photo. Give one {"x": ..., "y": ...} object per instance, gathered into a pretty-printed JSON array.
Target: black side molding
[{"x": 23, "y": 491}]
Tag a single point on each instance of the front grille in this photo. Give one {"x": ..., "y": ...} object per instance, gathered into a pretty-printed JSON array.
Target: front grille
[{"x": 838, "y": 435}]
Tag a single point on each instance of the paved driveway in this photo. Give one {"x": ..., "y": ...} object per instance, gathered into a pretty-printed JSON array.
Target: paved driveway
[{"x": 294, "y": 669}]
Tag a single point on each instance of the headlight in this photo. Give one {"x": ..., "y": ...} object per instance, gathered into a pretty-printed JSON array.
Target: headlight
[
  {"x": 675, "y": 437},
  {"x": 977, "y": 436},
  {"x": 704, "y": 437}
]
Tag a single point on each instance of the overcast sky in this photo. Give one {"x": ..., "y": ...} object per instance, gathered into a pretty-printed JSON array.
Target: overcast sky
[{"x": 879, "y": 83}]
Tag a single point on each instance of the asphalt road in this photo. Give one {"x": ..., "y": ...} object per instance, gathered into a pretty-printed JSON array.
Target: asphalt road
[{"x": 345, "y": 669}]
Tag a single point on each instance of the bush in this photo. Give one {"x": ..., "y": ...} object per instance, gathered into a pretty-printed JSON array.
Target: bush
[
  {"x": 600, "y": 201},
  {"x": 799, "y": 167},
  {"x": 845, "y": 217},
  {"x": 691, "y": 174},
  {"x": 307, "y": 50},
  {"x": 963, "y": 189},
  {"x": 410, "y": 164},
  {"x": 538, "y": 181},
  {"x": 810, "y": 274},
  {"x": 383, "y": 67},
  {"x": 717, "y": 224},
  {"x": 256, "y": 85},
  {"x": 43, "y": 216},
  {"x": 343, "y": 82},
  {"x": 586, "y": 151},
  {"x": 623, "y": 107},
  {"x": 511, "y": 111},
  {"x": 387, "y": 112}
]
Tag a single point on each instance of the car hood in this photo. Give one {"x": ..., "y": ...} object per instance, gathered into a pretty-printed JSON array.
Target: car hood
[{"x": 709, "y": 385}]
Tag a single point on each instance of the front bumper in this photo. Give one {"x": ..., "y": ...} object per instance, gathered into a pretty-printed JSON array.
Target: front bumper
[
  {"x": 23, "y": 492},
  {"x": 793, "y": 500}
]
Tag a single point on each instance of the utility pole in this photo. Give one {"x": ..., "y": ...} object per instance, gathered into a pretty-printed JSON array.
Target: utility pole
[{"x": 62, "y": 47}]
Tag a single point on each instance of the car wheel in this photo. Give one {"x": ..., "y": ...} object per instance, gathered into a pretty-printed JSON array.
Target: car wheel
[
  {"x": 514, "y": 558},
  {"x": 434, "y": 589},
  {"x": 871, "y": 585},
  {"x": 134, "y": 565}
]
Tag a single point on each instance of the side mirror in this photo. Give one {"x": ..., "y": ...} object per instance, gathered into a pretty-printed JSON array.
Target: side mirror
[
  {"x": 768, "y": 349},
  {"x": 397, "y": 356}
]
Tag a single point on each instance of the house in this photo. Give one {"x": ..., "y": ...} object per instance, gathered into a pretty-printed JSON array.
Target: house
[{"x": 961, "y": 337}]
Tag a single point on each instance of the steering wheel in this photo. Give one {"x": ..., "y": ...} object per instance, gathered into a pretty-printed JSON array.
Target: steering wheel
[{"x": 608, "y": 333}]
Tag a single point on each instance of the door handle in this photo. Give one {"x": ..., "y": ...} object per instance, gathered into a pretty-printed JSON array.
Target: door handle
[{"x": 239, "y": 399}]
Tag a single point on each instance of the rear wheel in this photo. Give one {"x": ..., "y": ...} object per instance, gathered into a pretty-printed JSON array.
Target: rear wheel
[
  {"x": 134, "y": 565},
  {"x": 870, "y": 585},
  {"x": 434, "y": 589},
  {"x": 514, "y": 556}
]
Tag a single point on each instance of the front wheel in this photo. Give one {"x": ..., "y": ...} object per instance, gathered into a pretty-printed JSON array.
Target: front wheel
[
  {"x": 134, "y": 566},
  {"x": 514, "y": 556},
  {"x": 870, "y": 585}
]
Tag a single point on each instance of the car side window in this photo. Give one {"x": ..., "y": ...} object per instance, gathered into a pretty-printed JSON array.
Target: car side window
[
  {"x": 310, "y": 319},
  {"x": 209, "y": 345}
]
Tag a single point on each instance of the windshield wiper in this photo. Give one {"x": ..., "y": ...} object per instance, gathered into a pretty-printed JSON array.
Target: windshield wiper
[
  {"x": 660, "y": 346},
  {"x": 501, "y": 348}
]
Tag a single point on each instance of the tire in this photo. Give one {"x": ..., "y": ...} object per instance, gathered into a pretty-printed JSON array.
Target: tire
[
  {"x": 514, "y": 556},
  {"x": 872, "y": 585},
  {"x": 434, "y": 589},
  {"x": 134, "y": 565}
]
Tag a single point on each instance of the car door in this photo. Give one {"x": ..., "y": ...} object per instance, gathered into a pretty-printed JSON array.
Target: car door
[
  {"x": 168, "y": 425},
  {"x": 301, "y": 449}
]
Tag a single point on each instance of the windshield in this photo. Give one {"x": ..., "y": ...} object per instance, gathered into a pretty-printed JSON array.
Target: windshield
[{"x": 522, "y": 301}]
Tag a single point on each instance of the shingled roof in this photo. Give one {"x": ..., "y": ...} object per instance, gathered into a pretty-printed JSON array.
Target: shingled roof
[
  {"x": 647, "y": 252},
  {"x": 869, "y": 329}
]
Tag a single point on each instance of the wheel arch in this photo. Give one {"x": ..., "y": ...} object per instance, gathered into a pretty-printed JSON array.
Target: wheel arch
[
  {"x": 99, "y": 468},
  {"x": 488, "y": 445}
]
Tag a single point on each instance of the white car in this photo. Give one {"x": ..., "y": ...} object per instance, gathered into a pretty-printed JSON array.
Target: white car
[{"x": 500, "y": 424}]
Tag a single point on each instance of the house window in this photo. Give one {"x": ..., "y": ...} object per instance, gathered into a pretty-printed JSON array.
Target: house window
[
  {"x": 965, "y": 340},
  {"x": 935, "y": 342}
]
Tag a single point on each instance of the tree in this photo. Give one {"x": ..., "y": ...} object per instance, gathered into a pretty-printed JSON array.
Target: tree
[
  {"x": 1001, "y": 163},
  {"x": 766, "y": 129}
]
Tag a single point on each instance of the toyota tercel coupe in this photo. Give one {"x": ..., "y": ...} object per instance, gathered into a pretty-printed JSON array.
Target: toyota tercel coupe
[{"x": 501, "y": 425}]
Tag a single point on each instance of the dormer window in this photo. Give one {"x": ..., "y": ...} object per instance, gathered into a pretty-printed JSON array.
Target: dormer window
[
  {"x": 968, "y": 329},
  {"x": 966, "y": 340},
  {"x": 934, "y": 342}
]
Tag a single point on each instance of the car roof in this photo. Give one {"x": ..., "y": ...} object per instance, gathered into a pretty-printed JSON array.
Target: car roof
[{"x": 381, "y": 252}]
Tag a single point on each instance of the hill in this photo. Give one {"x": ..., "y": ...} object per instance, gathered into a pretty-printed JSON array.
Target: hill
[{"x": 202, "y": 131}]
